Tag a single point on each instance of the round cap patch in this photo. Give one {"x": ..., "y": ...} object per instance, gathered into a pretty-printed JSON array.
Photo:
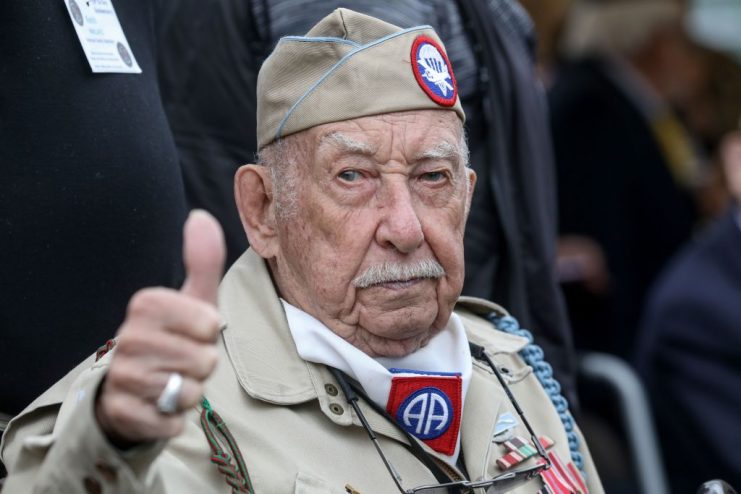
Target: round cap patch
[
  {"x": 433, "y": 72},
  {"x": 426, "y": 413}
]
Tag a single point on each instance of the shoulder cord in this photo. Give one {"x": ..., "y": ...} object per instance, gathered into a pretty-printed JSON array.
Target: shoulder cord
[
  {"x": 533, "y": 355},
  {"x": 235, "y": 475}
]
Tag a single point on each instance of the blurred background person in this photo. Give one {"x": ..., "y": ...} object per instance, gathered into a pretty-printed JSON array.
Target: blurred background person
[
  {"x": 689, "y": 348},
  {"x": 711, "y": 115},
  {"x": 626, "y": 163},
  {"x": 91, "y": 201},
  {"x": 604, "y": 98},
  {"x": 548, "y": 18},
  {"x": 209, "y": 58}
]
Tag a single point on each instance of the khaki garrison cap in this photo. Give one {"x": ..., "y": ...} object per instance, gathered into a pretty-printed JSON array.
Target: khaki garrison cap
[{"x": 351, "y": 65}]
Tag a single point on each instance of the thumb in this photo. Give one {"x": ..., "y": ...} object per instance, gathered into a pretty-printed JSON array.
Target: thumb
[{"x": 203, "y": 253}]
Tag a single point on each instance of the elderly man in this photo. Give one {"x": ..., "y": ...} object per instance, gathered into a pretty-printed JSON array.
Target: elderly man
[{"x": 343, "y": 367}]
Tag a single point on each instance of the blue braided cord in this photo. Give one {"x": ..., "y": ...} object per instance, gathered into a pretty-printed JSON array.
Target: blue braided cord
[{"x": 533, "y": 356}]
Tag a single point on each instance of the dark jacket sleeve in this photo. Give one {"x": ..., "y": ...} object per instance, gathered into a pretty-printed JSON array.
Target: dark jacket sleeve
[
  {"x": 689, "y": 359},
  {"x": 511, "y": 231}
]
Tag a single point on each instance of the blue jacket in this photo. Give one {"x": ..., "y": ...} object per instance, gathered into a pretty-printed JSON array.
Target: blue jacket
[{"x": 690, "y": 356}]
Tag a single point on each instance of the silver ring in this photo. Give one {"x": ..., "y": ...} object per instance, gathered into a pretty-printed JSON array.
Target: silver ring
[{"x": 167, "y": 402}]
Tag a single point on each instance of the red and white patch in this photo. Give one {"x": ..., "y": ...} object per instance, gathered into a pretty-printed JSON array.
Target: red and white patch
[
  {"x": 429, "y": 408},
  {"x": 433, "y": 71}
]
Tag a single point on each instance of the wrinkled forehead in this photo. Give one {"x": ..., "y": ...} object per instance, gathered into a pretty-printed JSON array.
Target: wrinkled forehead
[{"x": 418, "y": 134}]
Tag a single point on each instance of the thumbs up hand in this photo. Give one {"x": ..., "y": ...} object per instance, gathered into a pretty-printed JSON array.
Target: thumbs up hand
[{"x": 166, "y": 332}]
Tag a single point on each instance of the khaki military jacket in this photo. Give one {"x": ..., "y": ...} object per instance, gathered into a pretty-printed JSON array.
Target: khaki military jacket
[{"x": 295, "y": 430}]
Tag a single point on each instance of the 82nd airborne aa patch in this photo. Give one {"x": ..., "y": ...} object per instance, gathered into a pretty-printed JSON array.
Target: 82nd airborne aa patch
[{"x": 428, "y": 406}]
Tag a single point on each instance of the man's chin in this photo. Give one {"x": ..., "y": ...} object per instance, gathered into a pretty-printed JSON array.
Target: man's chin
[
  {"x": 400, "y": 300},
  {"x": 394, "y": 347},
  {"x": 397, "y": 326}
]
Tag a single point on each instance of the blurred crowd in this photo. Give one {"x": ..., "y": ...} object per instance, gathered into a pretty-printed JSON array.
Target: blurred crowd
[
  {"x": 645, "y": 101},
  {"x": 605, "y": 135}
]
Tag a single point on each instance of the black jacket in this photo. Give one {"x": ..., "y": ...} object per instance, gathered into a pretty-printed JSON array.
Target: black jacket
[
  {"x": 91, "y": 198},
  {"x": 614, "y": 185},
  {"x": 690, "y": 357}
]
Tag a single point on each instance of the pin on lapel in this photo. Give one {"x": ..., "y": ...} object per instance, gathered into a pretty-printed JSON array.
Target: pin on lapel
[
  {"x": 504, "y": 428},
  {"x": 506, "y": 421},
  {"x": 503, "y": 436}
]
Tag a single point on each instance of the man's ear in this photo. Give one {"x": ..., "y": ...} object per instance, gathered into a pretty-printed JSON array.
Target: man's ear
[
  {"x": 471, "y": 185},
  {"x": 253, "y": 191}
]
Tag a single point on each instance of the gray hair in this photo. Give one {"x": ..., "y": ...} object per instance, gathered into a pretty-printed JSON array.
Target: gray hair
[
  {"x": 389, "y": 272},
  {"x": 282, "y": 158}
]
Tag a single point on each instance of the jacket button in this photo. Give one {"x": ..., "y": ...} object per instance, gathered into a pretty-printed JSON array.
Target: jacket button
[
  {"x": 336, "y": 409},
  {"x": 331, "y": 389},
  {"x": 106, "y": 471},
  {"x": 92, "y": 486}
]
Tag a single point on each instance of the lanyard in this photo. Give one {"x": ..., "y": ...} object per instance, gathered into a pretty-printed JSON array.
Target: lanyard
[{"x": 353, "y": 392}]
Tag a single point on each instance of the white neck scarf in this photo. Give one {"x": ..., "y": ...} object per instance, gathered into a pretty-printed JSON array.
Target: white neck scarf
[{"x": 447, "y": 351}]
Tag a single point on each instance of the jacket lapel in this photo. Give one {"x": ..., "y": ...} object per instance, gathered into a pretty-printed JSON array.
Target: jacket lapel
[
  {"x": 483, "y": 403},
  {"x": 257, "y": 337}
]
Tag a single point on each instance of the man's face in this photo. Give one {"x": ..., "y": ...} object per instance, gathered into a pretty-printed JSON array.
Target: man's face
[{"x": 384, "y": 191}]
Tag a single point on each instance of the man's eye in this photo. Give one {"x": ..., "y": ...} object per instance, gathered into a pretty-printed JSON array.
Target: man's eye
[
  {"x": 433, "y": 176},
  {"x": 349, "y": 175}
]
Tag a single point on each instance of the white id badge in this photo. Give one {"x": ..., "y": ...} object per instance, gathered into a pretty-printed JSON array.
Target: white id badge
[{"x": 101, "y": 36}]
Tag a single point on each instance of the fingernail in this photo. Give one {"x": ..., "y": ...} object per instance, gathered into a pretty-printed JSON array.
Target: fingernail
[{"x": 198, "y": 212}]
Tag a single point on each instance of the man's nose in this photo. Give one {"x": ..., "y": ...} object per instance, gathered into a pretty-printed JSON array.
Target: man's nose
[{"x": 399, "y": 226}]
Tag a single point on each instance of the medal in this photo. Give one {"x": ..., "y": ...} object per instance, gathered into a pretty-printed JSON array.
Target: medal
[
  {"x": 561, "y": 479},
  {"x": 519, "y": 450}
]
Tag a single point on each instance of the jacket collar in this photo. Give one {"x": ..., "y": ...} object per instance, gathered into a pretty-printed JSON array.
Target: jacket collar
[{"x": 257, "y": 337}]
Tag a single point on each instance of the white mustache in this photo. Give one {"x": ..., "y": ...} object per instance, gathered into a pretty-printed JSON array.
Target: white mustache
[{"x": 395, "y": 271}]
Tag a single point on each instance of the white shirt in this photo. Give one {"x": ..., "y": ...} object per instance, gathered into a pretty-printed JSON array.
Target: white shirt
[{"x": 447, "y": 351}]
